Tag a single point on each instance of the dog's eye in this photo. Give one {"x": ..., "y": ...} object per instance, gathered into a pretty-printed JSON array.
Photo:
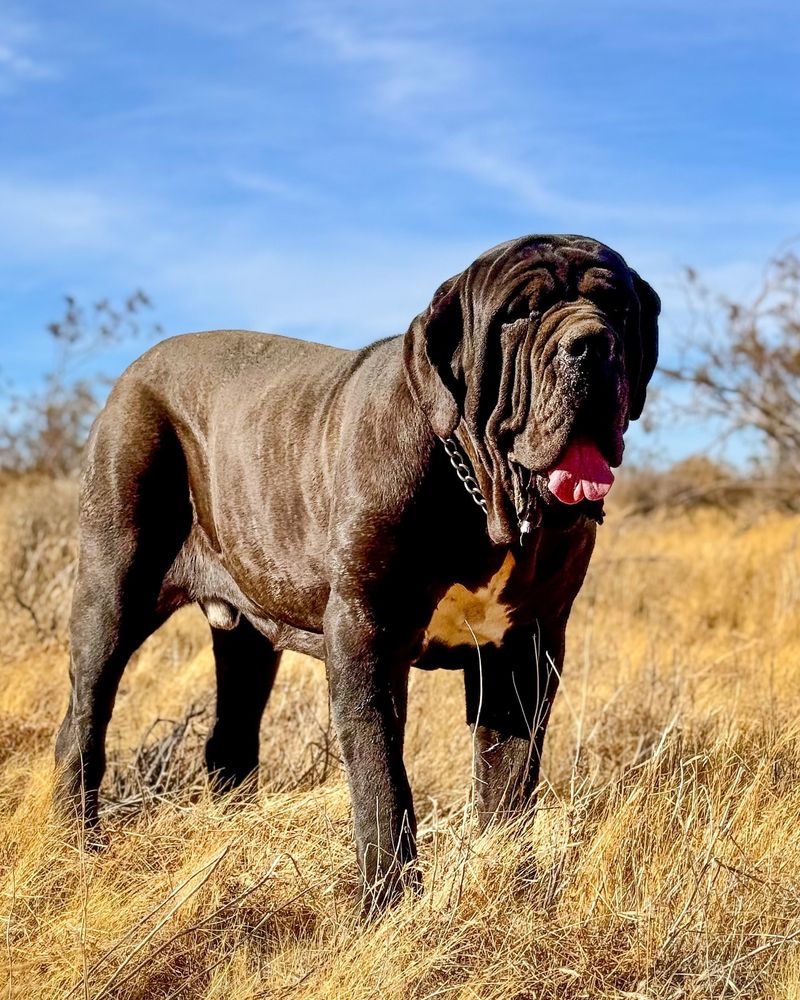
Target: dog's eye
[
  {"x": 612, "y": 304},
  {"x": 614, "y": 308},
  {"x": 518, "y": 309}
]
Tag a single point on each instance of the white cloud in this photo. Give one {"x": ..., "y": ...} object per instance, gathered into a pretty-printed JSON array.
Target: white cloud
[
  {"x": 346, "y": 286},
  {"x": 497, "y": 165},
  {"x": 403, "y": 69},
  {"x": 260, "y": 183},
  {"x": 45, "y": 219},
  {"x": 17, "y": 38},
  {"x": 350, "y": 290}
]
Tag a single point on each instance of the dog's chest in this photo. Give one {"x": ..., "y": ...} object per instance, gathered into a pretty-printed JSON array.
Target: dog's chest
[{"x": 470, "y": 617}]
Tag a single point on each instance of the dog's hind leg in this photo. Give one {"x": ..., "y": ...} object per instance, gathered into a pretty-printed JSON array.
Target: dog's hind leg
[
  {"x": 246, "y": 664},
  {"x": 135, "y": 515}
]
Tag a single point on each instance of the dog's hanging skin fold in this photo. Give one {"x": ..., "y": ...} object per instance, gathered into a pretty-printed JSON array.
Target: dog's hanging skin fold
[{"x": 494, "y": 351}]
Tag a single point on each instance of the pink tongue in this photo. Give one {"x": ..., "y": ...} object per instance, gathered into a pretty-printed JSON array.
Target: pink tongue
[{"x": 582, "y": 472}]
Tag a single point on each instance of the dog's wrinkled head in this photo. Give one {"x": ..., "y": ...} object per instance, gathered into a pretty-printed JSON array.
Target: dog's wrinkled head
[{"x": 537, "y": 355}]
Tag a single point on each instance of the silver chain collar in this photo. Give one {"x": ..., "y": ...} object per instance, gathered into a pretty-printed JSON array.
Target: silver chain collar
[{"x": 464, "y": 473}]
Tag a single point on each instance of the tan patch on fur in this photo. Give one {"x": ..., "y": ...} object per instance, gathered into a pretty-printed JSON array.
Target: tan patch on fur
[{"x": 487, "y": 616}]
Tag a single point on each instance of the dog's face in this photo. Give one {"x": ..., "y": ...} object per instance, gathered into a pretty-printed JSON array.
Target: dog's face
[{"x": 539, "y": 353}]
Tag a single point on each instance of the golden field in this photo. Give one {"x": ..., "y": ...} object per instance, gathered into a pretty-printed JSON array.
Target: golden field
[{"x": 663, "y": 859}]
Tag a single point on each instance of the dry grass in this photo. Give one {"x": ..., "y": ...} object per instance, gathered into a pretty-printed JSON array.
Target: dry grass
[{"x": 663, "y": 860}]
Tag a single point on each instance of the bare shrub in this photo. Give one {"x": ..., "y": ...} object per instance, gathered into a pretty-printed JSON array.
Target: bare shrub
[
  {"x": 743, "y": 364},
  {"x": 696, "y": 481},
  {"x": 170, "y": 763},
  {"x": 44, "y": 429},
  {"x": 699, "y": 482}
]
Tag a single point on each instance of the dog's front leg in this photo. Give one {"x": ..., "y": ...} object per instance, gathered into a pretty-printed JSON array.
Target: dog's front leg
[
  {"x": 510, "y": 693},
  {"x": 367, "y": 687}
]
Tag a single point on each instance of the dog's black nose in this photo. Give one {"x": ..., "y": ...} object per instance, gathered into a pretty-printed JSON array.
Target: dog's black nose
[{"x": 587, "y": 346}]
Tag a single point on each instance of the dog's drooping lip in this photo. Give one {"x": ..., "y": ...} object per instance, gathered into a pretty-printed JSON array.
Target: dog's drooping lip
[{"x": 581, "y": 473}]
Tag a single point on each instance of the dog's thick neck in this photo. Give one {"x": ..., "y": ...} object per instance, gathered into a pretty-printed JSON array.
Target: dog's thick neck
[
  {"x": 514, "y": 503},
  {"x": 530, "y": 501},
  {"x": 524, "y": 501}
]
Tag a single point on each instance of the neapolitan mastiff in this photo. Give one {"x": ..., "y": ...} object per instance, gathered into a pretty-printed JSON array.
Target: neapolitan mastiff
[{"x": 314, "y": 499}]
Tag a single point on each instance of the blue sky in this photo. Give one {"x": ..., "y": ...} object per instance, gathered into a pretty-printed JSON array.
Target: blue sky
[{"x": 318, "y": 169}]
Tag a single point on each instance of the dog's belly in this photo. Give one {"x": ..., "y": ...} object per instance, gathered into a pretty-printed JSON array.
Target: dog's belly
[{"x": 473, "y": 617}]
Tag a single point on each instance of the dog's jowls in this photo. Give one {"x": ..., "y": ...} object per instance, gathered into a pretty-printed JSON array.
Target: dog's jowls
[{"x": 303, "y": 496}]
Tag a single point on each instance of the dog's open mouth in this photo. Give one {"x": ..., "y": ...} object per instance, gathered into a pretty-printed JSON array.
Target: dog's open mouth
[{"x": 581, "y": 473}]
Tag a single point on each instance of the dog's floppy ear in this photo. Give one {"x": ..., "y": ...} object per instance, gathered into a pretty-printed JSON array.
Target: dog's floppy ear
[
  {"x": 649, "y": 308},
  {"x": 429, "y": 353}
]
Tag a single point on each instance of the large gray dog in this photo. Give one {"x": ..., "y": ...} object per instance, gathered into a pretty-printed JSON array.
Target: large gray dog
[{"x": 321, "y": 500}]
